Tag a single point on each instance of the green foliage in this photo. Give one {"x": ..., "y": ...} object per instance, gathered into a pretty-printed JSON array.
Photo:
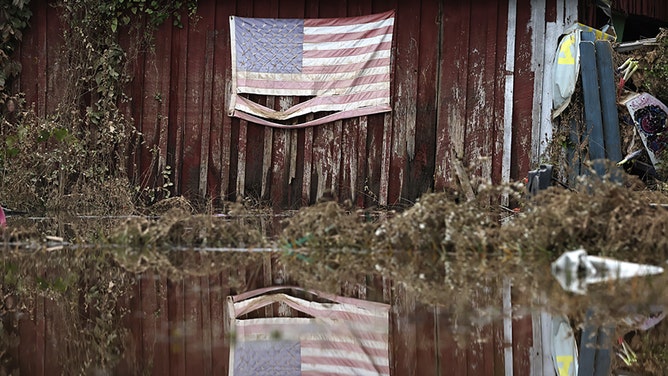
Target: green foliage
[
  {"x": 14, "y": 17},
  {"x": 84, "y": 145},
  {"x": 656, "y": 80},
  {"x": 86, "y": 290}
]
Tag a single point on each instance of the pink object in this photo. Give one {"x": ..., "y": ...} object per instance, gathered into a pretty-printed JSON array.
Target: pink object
[{"x": 3, "y": 220}]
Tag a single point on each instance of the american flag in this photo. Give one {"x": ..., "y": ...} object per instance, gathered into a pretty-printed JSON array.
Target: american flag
[
  {"x": 342, "y": 66},
  {"x": 345, "y": 337}
]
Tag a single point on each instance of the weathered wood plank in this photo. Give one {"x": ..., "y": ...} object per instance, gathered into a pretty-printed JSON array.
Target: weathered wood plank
[
  {"x": 207, "y": 104},
  {"x": 177, "y": 344},
  {"x": 127, "y": 363},
  {"x": 349, "y": 159},
  {"x": 493, "y": 85},
  {"x": 323, "y": 136},
  {"x": 358, "y": 194},
  {"x": 193, "y": 91},
  {"x": 404, "y": 339},
  {"x": 222, "y": 92},
  {"x": 145, "y": 307},
  {"x": 144, "y": 110},
  {"x": 427, "y": 341},
  {"x": 498, "y": 346},
  {"x": 538, "y": 14},
  {"x": 308, "y": 167},
  {"x": 206, "y": 330},
  {"x": 294, "y": 193},
  {"x": 177, "y": 113},
  {"x": 486, "y": 332},
  {"x": 33, "y": 59},
  {"x": 450, "y": 133},
  {"x": 522, "y": 343},
  {"x": 374, "y": 160},
  {"x": 241, "y": 158},
  {"x": 32, "y": 332},
  {"x": 407, "y": 49},
  {"x": 219, "y": 290},
  {"x": 193, "y": 330},
  {"x": 523, "y": 79},
  {"x": 504, "y": 81},
  {"x": 157, "y": 85},
  {"x": 267, "y": 155},
  {"x": 280, "y": 164},
  {"x": 420, "y": 168},
  {"x": 386, "y": 159},
  {"x": 138, "y": 108},
  {"x": 155, "y": 323},
  {"x": 479, "y": 94},
  {"x": 54, "y": 67},
  {"x": 452, "y": 358}
]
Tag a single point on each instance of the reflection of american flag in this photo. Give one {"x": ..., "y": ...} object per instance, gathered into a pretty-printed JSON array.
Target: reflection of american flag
[
  {"x": 341, "y": 64},
  {"x": 343, "y": 338}
]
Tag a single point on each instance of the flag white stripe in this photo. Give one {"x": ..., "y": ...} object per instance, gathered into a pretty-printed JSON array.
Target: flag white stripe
[
  {"x": 344, "y": 60},
  {"x": 336, "y": 370},
  {"x": 348, "y": 43},
  {"x": 330, "y": 118},
  {"x": 313, "y": 327},
  {"x": 317, "y": 88},
  {"x": 360, "y": 357},
  {"x": 345, "y": 362},
  {"x": 314, "y": 308},
  {"x": 311, "y": 77},
  {"x": 345, "y": 29},
  {"x": 313, "y": 109},
  {"x": 337, "y": 341},
  {"x": 382, "y": 86}
]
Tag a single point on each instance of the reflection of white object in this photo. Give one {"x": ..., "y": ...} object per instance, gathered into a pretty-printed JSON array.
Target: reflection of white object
[
  {"x": 575, "y": 270},
  {"x": 565, "y": 350}
]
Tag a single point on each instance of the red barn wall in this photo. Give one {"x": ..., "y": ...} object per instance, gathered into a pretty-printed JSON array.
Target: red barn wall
[{"x": 449, "y": 92}]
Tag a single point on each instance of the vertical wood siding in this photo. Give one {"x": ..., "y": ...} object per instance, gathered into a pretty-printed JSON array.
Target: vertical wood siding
[
  {"x": 177, "y": 327},
  {"x": 448, "y": 97}
]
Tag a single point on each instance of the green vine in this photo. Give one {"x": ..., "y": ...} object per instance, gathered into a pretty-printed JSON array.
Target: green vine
[
  {"x": 14, "y": 18},
  {"x": 80, "y": 152},
  {"x": 74, "y": 161}
]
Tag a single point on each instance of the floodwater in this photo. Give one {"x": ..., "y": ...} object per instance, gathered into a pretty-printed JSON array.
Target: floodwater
[{"x": 152, "y": 296}]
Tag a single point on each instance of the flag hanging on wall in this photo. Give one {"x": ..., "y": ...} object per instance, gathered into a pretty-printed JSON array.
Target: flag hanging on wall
[
  {"x": 340, "y": 66},
  {"x": 342, "y": 337}
]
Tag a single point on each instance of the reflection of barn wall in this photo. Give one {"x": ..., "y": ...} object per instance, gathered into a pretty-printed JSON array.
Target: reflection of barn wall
[
  {"x": 458, "y": 92},
  {"x": 176, "y": 327}
]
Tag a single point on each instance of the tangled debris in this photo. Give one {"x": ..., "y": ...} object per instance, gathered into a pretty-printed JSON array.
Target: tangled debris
[{"x": 443, "y": 246}]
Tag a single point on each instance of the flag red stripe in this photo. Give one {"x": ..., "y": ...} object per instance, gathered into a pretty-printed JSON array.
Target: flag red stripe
[
  {"x": 316, "y": 22},
  {"x": 318, "y": 101},
  {"x": 344, "y": 362},
  {"x": 362, "y": 111},
  {"x": 316, "y": 69},
  {"x": 340, "y": 37},
  {"x": 246, "y": 331},
  {"x": 341, "y": 312},
  {"x": 343, "y": 52},
  {"x": 327, "y": 373},
  {"x": 344, "y": 346},
  {"x": 312, "y": 85}
]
